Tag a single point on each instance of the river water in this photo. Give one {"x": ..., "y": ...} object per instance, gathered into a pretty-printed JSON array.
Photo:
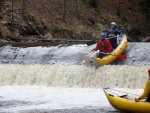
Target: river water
[{"x": 56, "y": 80}]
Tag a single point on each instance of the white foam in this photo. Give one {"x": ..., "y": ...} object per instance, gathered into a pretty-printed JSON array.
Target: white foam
[{"x": 73, "y": 76}]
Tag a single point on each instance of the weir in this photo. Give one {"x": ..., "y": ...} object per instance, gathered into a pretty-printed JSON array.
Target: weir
[
  {"x": 63, "y": 66},
  {"x": 137, "y": 54},
  {"x": 41, "y": 79},
  {"x": 43, "y": 55},
  {"x": 77, "y": 76}
]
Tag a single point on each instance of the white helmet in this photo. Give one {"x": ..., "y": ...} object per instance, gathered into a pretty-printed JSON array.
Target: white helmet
[{"x": 113, "y": 23}]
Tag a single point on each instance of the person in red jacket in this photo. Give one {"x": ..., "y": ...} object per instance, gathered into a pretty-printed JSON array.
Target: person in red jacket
[
  {"x": 146, "y": 93},
  {"x": 103, "y": 46}
]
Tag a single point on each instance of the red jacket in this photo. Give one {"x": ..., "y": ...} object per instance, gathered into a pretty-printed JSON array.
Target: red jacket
[{"x": 103, "y": 46}]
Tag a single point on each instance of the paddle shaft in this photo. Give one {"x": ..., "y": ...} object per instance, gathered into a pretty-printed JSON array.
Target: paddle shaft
[
  {"x": 92, "y": 53},
  {"x": 105, "y": 53},
  {"x": 111, "y": 38}
]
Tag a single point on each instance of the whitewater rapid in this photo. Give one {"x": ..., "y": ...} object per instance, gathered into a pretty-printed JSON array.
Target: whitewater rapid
[
  {"x": 56, "y": 80},
  {"x": 58, "y": 88},
  {"x": 80, "y": 76}
]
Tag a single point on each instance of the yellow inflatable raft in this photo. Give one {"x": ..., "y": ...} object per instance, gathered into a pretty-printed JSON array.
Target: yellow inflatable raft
[
  {"x": 126, "y": 102},
  {"x": 93, "y": 60}
]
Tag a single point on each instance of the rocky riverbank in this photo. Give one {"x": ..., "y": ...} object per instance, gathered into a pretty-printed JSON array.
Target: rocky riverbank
[{"x": 43, "y": 23}]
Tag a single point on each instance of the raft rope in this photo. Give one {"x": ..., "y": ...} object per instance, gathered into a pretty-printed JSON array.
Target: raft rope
[
  {"x": 113, "y": 93},
  {"x": 118, "y": 91}
]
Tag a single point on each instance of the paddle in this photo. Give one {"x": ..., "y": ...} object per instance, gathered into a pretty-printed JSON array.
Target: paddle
[
  {"x": 122, "y": 57},
  {"x": 92, "y": 53},
  {"x": 111, "y": 37}
]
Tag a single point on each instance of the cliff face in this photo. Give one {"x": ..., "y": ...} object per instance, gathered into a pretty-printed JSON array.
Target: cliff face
[{"x": 48, "y": 20}]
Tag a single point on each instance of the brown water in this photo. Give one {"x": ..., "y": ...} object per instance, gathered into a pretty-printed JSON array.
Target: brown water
[
  {"x": 31, "y": 44},
  {"x": 19, "y": 44}
]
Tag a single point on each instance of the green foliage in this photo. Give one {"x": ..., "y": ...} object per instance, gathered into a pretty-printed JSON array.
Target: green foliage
[
  {"x": 31, "y": 18},
  {"x": 145, "y": 6},
  {"x": 121, "y": 2},
  {"x": 98, "y": 11},
  {"x": 124, "y": 19},
  {"x": 1, "y": 15},
  {"x": 93, "y": 3}
]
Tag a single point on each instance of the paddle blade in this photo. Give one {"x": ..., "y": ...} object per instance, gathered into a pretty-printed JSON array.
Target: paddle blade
[{"x": 122, "y": 57}]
